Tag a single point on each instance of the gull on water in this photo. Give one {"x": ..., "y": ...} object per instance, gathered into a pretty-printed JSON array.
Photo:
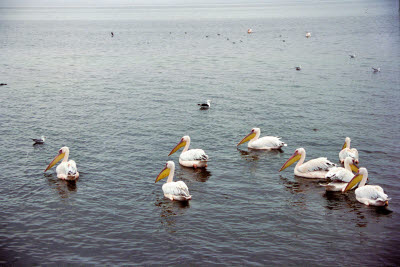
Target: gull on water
[
  {"x": 376, "y": 69},
  {"x": 298, "y": 67},
  {"x": 205, "y": 105},
  {"x": 352, "y": 56},
  {"x": 40, "y": 140}
]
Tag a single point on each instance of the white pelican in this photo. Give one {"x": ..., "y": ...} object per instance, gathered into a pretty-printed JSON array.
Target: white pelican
[
  {"x": 315, "y": 168},
  {"x": 347, "y": 151},
  {"x": 367, "y": 194},
  {"x": 205, "y": 105},
  {"x": 308, "y": 34},
  {"x": 173, "y": 190},
  {"x": 195, "y": 158},
  {"x": 266, "y": 142},
  {"x": 66, "y": 170},
  {"x": 39, "y": 141},
  {"x": 339, "y": 176}
]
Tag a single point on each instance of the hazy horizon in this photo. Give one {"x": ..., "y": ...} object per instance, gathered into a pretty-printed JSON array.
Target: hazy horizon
[{"x": 109, "y": 3}]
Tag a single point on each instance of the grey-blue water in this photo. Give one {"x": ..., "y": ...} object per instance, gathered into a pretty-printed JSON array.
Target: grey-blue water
[{"x": 121, "y": 104}]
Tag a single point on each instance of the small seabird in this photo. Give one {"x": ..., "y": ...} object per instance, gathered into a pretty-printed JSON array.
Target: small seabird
[
  {"x": 352, "y": 56},
  {"x": 249, "y": 31},
  {"x": 39, "y": 141},
  {"x": 376, "y": 69},
  {"x": 308, "y": 34},
  {"x": 298, "y": 67},
  {"x": 2, "y": 84},
  {"x": 112, "y": 34},
  {"x": 205, "y": 105},
  {"x": 206, "y": 36},
  {"x": 218, "y": 34}
]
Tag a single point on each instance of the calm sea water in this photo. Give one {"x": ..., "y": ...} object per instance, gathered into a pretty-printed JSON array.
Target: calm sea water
[{"x": 121, "y": 104}]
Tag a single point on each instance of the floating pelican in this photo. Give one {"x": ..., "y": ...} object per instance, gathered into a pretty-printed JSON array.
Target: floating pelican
[
  {"x": 266, "y": 142},
  {"x": 347, "y": 151},
  {"x": 39, "y": 141},
  {"x": 339, "y": 176},
  {"x": 195, "y": 158},
  {"x": 308, "y": 34},
  {"x": 205, "y": 105},
  {"x": 66, "y": 170},
  {"x": 376, "y": 69},
  {"x": 315, "y": 168},
  {"x": 367, "y": 194},
  {"x": 173, "y": 190}
]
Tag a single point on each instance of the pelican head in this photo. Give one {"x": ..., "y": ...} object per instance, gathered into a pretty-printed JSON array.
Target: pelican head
[
  {"x": 346, "y": 143},
  {"x": 250, "y": 136},
  {"x": 61, "y": 154},
  {"x": 352, "y": 163},
  {"x": 295, "y": 157},
  {"x": 170, "y": 165},
  {"x": 182, "y": 143},
  {"x": 362, "y": 172}
]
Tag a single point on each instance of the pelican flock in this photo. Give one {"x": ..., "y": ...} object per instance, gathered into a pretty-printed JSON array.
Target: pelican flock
[
  {"x": 173, "y": 190},
  {"x": 367, "y": 194},
  {"x": 66, "y": 170},
  {"x": 193, "y": 158},
  {"x": 266, "y": 142}
]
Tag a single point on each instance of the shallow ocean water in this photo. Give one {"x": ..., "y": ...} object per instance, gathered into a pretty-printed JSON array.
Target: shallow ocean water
[{"x": 121, "y": 104}]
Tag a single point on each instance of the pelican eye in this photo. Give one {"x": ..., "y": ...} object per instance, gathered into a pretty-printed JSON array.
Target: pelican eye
[{"x": 60, "y": 151}]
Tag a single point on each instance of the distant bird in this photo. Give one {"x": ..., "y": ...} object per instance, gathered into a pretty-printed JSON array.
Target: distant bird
[
  {"x": 283, "y": 41},
  {"x": 2, "y": 84},
  {"x": 112, "y": 34},
  {"x": 205, "y": 105},
  {"x": 227, "y": 39},
  {"x": 39, "y": 141},
  {"x": 218, "y": 34},
  {"x": 298, "y": 67},
  {"x": 308, "y": 34},
  {"x": 173, "y": 190},
  {"x": 249, "y": 31},
  {"x": 352, "y": 56},
  {"x": 185, "y": 32},
  {"x": 376, "y": 69},
  {"x": 206, "y": 36}
]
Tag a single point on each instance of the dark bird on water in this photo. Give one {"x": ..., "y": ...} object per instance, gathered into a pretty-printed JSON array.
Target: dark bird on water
[
  {"x": 112, "y": 34},
  {"x": 205, "y": 105},
  {"x": 39, "y": 141}
]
